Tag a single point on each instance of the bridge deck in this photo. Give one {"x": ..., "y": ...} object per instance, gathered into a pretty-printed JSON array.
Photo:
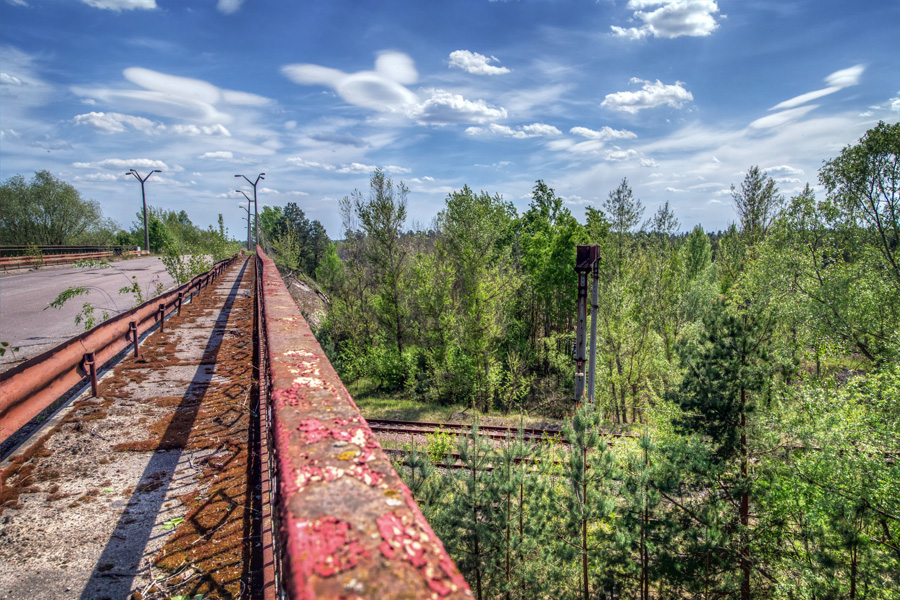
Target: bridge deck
[{"x": 95, "y": 509}]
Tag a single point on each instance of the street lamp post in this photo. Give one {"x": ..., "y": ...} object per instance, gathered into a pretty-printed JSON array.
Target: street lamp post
[
  {"x": 144, "y": 200},
  {"x": 255, "y": 205},
  {"x": 248, "y": 216}
]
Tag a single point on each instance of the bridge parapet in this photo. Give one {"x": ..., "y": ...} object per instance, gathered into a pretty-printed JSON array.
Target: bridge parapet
[{"x": 346, "y": 524}]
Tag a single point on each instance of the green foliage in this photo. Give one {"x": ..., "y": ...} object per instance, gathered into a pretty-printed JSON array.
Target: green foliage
[
  {"x": 438, "y": 445},
  {"x": 47, "y": 210},
  {"x": 7, "y": 347},
  {"x": 757, "y": 204}
]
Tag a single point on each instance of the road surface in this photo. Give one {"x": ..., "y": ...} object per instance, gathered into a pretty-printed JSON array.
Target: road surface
[{"x": 25, "y": 295}]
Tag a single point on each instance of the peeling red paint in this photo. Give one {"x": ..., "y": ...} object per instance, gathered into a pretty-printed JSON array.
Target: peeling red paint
[
  {"x": 405, "y": 539},
  {"x": 330, "y": 547},
  {"x": 319, "y": 442}
]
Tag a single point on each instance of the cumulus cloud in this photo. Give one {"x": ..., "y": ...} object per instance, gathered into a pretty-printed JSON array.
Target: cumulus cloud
[
  {"x": 783, "y": 171},
  {"x": 442, "y": 108},
  {"x": 522, "y": 132},
  {"x": 382, "y": 89},
  {"x": 217, "y": 129},
  {"x": 117, "y": 122},
  {"x": 357, "y": 168},
  {"x": 670, "y": 19},
  {"x": 605, "y": 134},
  {"x": 477, "y": 64},
  {"x": 173, "y": 96},
  {"x": 228, "y": 7},
  {"x": 218, "y": 155},
  {"x": 309, "y": 164},
  {"x": 123, "y": 163},
  {"x": 836, "y": 82},
  {"x": 619, "y": 154},
  {"x": 652, "y": 94},
  {"x": 120, "y": 5}
]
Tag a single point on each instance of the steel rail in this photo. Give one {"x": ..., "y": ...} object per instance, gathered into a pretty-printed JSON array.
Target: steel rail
[
  {"x": 29, "y": 388},
  {"x": 340, "y": 507}
]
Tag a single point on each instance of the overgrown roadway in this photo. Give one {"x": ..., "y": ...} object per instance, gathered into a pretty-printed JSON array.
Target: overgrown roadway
[
  {"x": 24, "y": 295},
  {"x": 146, "y": 491}
]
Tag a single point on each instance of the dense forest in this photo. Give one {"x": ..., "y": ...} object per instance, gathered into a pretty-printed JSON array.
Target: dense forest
[{"x": 756, "y": 369}]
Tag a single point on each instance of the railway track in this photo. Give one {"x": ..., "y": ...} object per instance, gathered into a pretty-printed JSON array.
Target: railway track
[{"x": 494, "y": 432}]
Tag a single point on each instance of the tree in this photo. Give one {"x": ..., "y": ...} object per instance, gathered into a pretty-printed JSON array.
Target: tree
[
  {"x": 382, "y": 216},
  {"x": 48, "y": 211},
  {"x": 624, "y": 213},
  {"x": 726, "y": 376},
  {"x": 757, "y": 204},
  {"x": 864, "y": 184}
]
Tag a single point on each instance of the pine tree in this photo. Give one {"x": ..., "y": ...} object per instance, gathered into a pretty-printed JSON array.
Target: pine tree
[{"x": 726, "y": 374}]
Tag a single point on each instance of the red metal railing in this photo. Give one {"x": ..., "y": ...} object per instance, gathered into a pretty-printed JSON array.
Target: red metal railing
[
  {"x": 29, "y": 388},
  {"x": 21, "y": 262},
  {"x": 346, "y": 525}
]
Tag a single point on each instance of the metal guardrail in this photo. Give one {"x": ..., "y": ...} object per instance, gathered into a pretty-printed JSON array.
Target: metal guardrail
[
  {"x": 28, "y": 388},
  {"x": 24, "y": 249},
  {"x": 21, "y": 262},
  {"x": 340, "y": 508}
]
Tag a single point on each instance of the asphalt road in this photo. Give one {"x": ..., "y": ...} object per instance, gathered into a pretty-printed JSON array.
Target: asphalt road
[{"x": 25, "y": 295}]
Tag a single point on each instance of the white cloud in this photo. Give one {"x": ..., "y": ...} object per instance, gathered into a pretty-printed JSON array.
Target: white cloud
[
  {"x": 396, "y": 169},
  {"x": 836, "y": 82},
  {"x": 217, "y": 129},
  {"x": 618, "y": 154},
  {"x": 219, "y": 154},
  {"x": 7, "y": 79},
  {"x": 97, "y": 177},
  {"x": 444, "y": 107},
  {"x": 357, "y": 168},
  {"x": 649, "y": 163},
  {"x": 521, "y": 132},
  {"x": 780, "y": 118},
  {"x": 605, "y": 134},
  {"x": 117, "y": 122},
  {"x": 296, "y": 193},
  {"x": 475, "y": 63},
  {"x": 120, "y": 5},
  {"x": 670, "y": 19},
  {"x": 173, "y": 96},
  {"x": 382, "y": 89},
  {"x": 123, "y": 163},
  {"x": 783, "y": 171},
  {"x": 228, "y": 7},
  {"x": 651, "y": 95},
  {"x": 309, "y": 164}
]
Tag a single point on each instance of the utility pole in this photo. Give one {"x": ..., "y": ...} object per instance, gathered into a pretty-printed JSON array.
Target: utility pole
[
  {"x": 248, "y": 216},
  {"x": 144, "y": 200},
  {"x": 255, "y": 205},
  {"x": 585, "y": 259}
]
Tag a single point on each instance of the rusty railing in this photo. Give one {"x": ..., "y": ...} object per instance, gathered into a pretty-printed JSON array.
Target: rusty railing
[
  {"x": 345, "y": 525},
  {"x": 29, "y": 388}
]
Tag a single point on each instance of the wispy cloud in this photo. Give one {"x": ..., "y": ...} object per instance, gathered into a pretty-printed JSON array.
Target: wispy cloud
[
  {"x": 670, "y": 19},
  {"x": 522, "y": 132},
  {"x": 477, "y": 64},
  {"x": 120, "y": 5},
  {"x": 117, "y": 122},
  {"x": 651, "y": 95},
  {"x": 123, "y": 163},
  {"x": 218, "y": 155},
  {"x": 228, "y": 7},
  {"x": 174, "y": 97},
  {"x": 836, "y": 82}
]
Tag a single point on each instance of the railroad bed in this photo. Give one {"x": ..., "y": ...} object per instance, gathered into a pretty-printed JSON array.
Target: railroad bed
[{"x": 148, "y": 490}]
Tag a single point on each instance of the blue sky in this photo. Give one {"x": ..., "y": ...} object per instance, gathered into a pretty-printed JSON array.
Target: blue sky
[{"x": 679, "y": 96}]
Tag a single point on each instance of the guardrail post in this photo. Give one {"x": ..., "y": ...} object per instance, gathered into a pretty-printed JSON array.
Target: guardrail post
[
  {"x": 180, "y": 300},
  {"x": 133, "y": 333},
  {"x": 162, "y": 316},
  {"x": 89, "y": 364}
]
